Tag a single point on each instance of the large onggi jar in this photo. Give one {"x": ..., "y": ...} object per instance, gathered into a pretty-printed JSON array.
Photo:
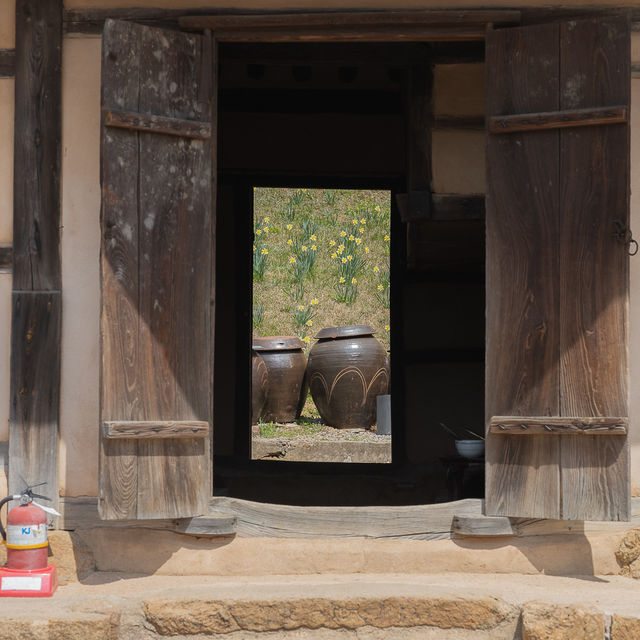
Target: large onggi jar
[
  {"x": 259, "y": 386},
  {"x": 286, "y": 363},
  {"x": 347, "y": 369}
]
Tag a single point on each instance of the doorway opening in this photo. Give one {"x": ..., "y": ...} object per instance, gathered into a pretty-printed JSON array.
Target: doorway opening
[{"x": 337, "y": 117}]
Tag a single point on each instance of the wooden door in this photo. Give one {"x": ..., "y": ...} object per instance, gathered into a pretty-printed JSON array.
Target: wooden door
[
  {"x": 156, "y": 269},
  {"x": 557, "y": 270}
]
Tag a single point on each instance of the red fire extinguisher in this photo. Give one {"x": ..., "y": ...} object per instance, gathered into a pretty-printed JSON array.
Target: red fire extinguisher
[{"x": 26, "y": 571}]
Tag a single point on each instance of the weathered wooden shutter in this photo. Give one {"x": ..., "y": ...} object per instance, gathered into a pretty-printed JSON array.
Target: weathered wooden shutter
[
  {"x": 557, "y": 270},
  {"x": 156, "y": 263}
]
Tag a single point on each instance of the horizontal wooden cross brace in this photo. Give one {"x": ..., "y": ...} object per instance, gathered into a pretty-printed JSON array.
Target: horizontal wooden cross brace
[
  {"x": 155, "y": 429},
  {"x": 527, "y": 425},
  {"x": 156, "y": 124},
  {"x": 558, "y": 119}
]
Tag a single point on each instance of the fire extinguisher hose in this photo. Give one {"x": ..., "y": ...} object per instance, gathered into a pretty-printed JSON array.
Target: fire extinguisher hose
[{"x": 2, "y": 503}]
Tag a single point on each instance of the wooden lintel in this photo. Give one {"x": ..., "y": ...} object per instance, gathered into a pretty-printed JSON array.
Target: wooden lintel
[
  {"x": 157, "y": 124},
  {"x": 7, "y": 63},
  {"x": 6, "y": 258},
  {"x": 558, "y": 119},
  {"x": 350, "y": 19},
  {"x": 368, "y": 33},
  {"x": 155, "y": 429},
  {"x": 526, "y": 425}
]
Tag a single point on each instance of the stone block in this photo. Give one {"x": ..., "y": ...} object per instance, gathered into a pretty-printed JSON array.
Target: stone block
[{"x": 542, "y": 621}]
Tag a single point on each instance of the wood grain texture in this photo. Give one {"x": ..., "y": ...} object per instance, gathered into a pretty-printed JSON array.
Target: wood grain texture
[
  {"x": 528, "y": 425},
  {"x": 474, "y": 526},
  {"x": 417, "y": 522},
  {"x": 175, "y": 266},
  {"x": 429, "y": 522},
  {"x": 156, "y": 256},
  {"x": 349, "y": 19},
  {"x": 559, "y": 119},
  {"x": 522, "y": 344},
  {"x": 594, "y": 274},
  {"x": 37, "y": 134},
  {"x": 368, "y": 33},
  {"x": 34, "y": 395},
  {"x": 7, "y": 63},
  {"x": 82, "y": 513},
  {"x": 155, "y": 429},
  {"x": 120, "y": 384},
  {"x": 156, "y": 124}
]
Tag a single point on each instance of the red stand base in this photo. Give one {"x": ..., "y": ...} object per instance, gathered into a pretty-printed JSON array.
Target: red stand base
[{"x": 37, "y": 583}]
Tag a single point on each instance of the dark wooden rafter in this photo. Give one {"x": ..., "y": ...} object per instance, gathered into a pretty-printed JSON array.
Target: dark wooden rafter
[
  {"x": 7, "y": 63},
  {"x": 36, "y": 318}
]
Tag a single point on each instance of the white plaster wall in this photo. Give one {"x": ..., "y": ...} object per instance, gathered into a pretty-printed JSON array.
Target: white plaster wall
[
  {"x": 6, "y": 159},
  {"x": 80, "y": 266},
  {"x": 7, "y": 24}
]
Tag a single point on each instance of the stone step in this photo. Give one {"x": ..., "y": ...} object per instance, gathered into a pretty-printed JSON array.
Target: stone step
[{"x": 107, "y": 606}]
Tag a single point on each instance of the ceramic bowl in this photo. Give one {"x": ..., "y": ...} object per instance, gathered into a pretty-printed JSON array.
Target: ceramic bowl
[{"x": 470, "y": 448}]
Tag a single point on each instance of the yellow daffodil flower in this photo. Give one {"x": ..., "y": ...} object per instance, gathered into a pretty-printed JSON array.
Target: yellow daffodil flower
[
  {"x": 387, "y": 238},
  {"x": 352, "y": 237},
  {"x": 380, "y": 287},
  {"x": 332, "y": 243},
  {"x": 266, "y": 219},
  {"x": 344, "y": 260},
  {"x": 341, "y": 281},
  {"x": 313, "y": 237},
  {"x": 289, "y": 227},
  {"x": 300, "y": 307},
  {"x": 353, "y": 280},
  {"x": 292, "y": 260},
  {"x": 314, "y": 301},
  {"x": 366, "y": 249},
  {"x": 349, "y": 258},
  {"x": 363, "y": 221},
  {"x": 358, "y": 240},
  {"x": 309, "y": 323},
  {"x": 334, "y": 255},
  {"x": 304, "y": 247},
  {"x": 258, "y": 232},
  {"x": 264, "y": 252},
  {"x": 376, "y": 269},
  {"x": 387, "y": 327},
  {"x": 343, "y": 233}
]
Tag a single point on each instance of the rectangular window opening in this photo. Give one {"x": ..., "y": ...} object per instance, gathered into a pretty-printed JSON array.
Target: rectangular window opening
[{"x": 321, "y": 325}]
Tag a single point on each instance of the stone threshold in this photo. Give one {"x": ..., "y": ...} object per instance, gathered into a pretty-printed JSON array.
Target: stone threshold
[{"x": 114, "y": 606}]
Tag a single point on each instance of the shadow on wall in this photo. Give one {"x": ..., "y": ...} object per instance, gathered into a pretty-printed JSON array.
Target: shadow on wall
[{"x": 555, "y": 555}]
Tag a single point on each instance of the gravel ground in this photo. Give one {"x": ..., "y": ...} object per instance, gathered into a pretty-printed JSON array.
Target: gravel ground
[{"x": 293, "y": 431}]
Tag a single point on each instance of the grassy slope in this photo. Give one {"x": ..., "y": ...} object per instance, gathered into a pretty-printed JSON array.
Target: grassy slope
[{"x": 332, "y": 212}]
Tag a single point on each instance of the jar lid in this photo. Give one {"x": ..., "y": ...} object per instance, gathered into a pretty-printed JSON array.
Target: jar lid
[
  {"x": 352, "y": 330},
  {"x": 277, "y": 343}
]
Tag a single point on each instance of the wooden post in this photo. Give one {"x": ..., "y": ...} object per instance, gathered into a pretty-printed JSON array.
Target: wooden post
[{"x": 35, "y": 327}]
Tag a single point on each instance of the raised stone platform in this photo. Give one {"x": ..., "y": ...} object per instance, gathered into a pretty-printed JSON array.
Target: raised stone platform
[{"x": 108, "y": 606}]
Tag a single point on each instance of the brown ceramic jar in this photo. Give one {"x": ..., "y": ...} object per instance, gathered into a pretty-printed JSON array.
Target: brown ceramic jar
[
  {"x": 286, "y": 363},
  {"x": 347, "y": 369},
  {"x": 259, "y": 386}
]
